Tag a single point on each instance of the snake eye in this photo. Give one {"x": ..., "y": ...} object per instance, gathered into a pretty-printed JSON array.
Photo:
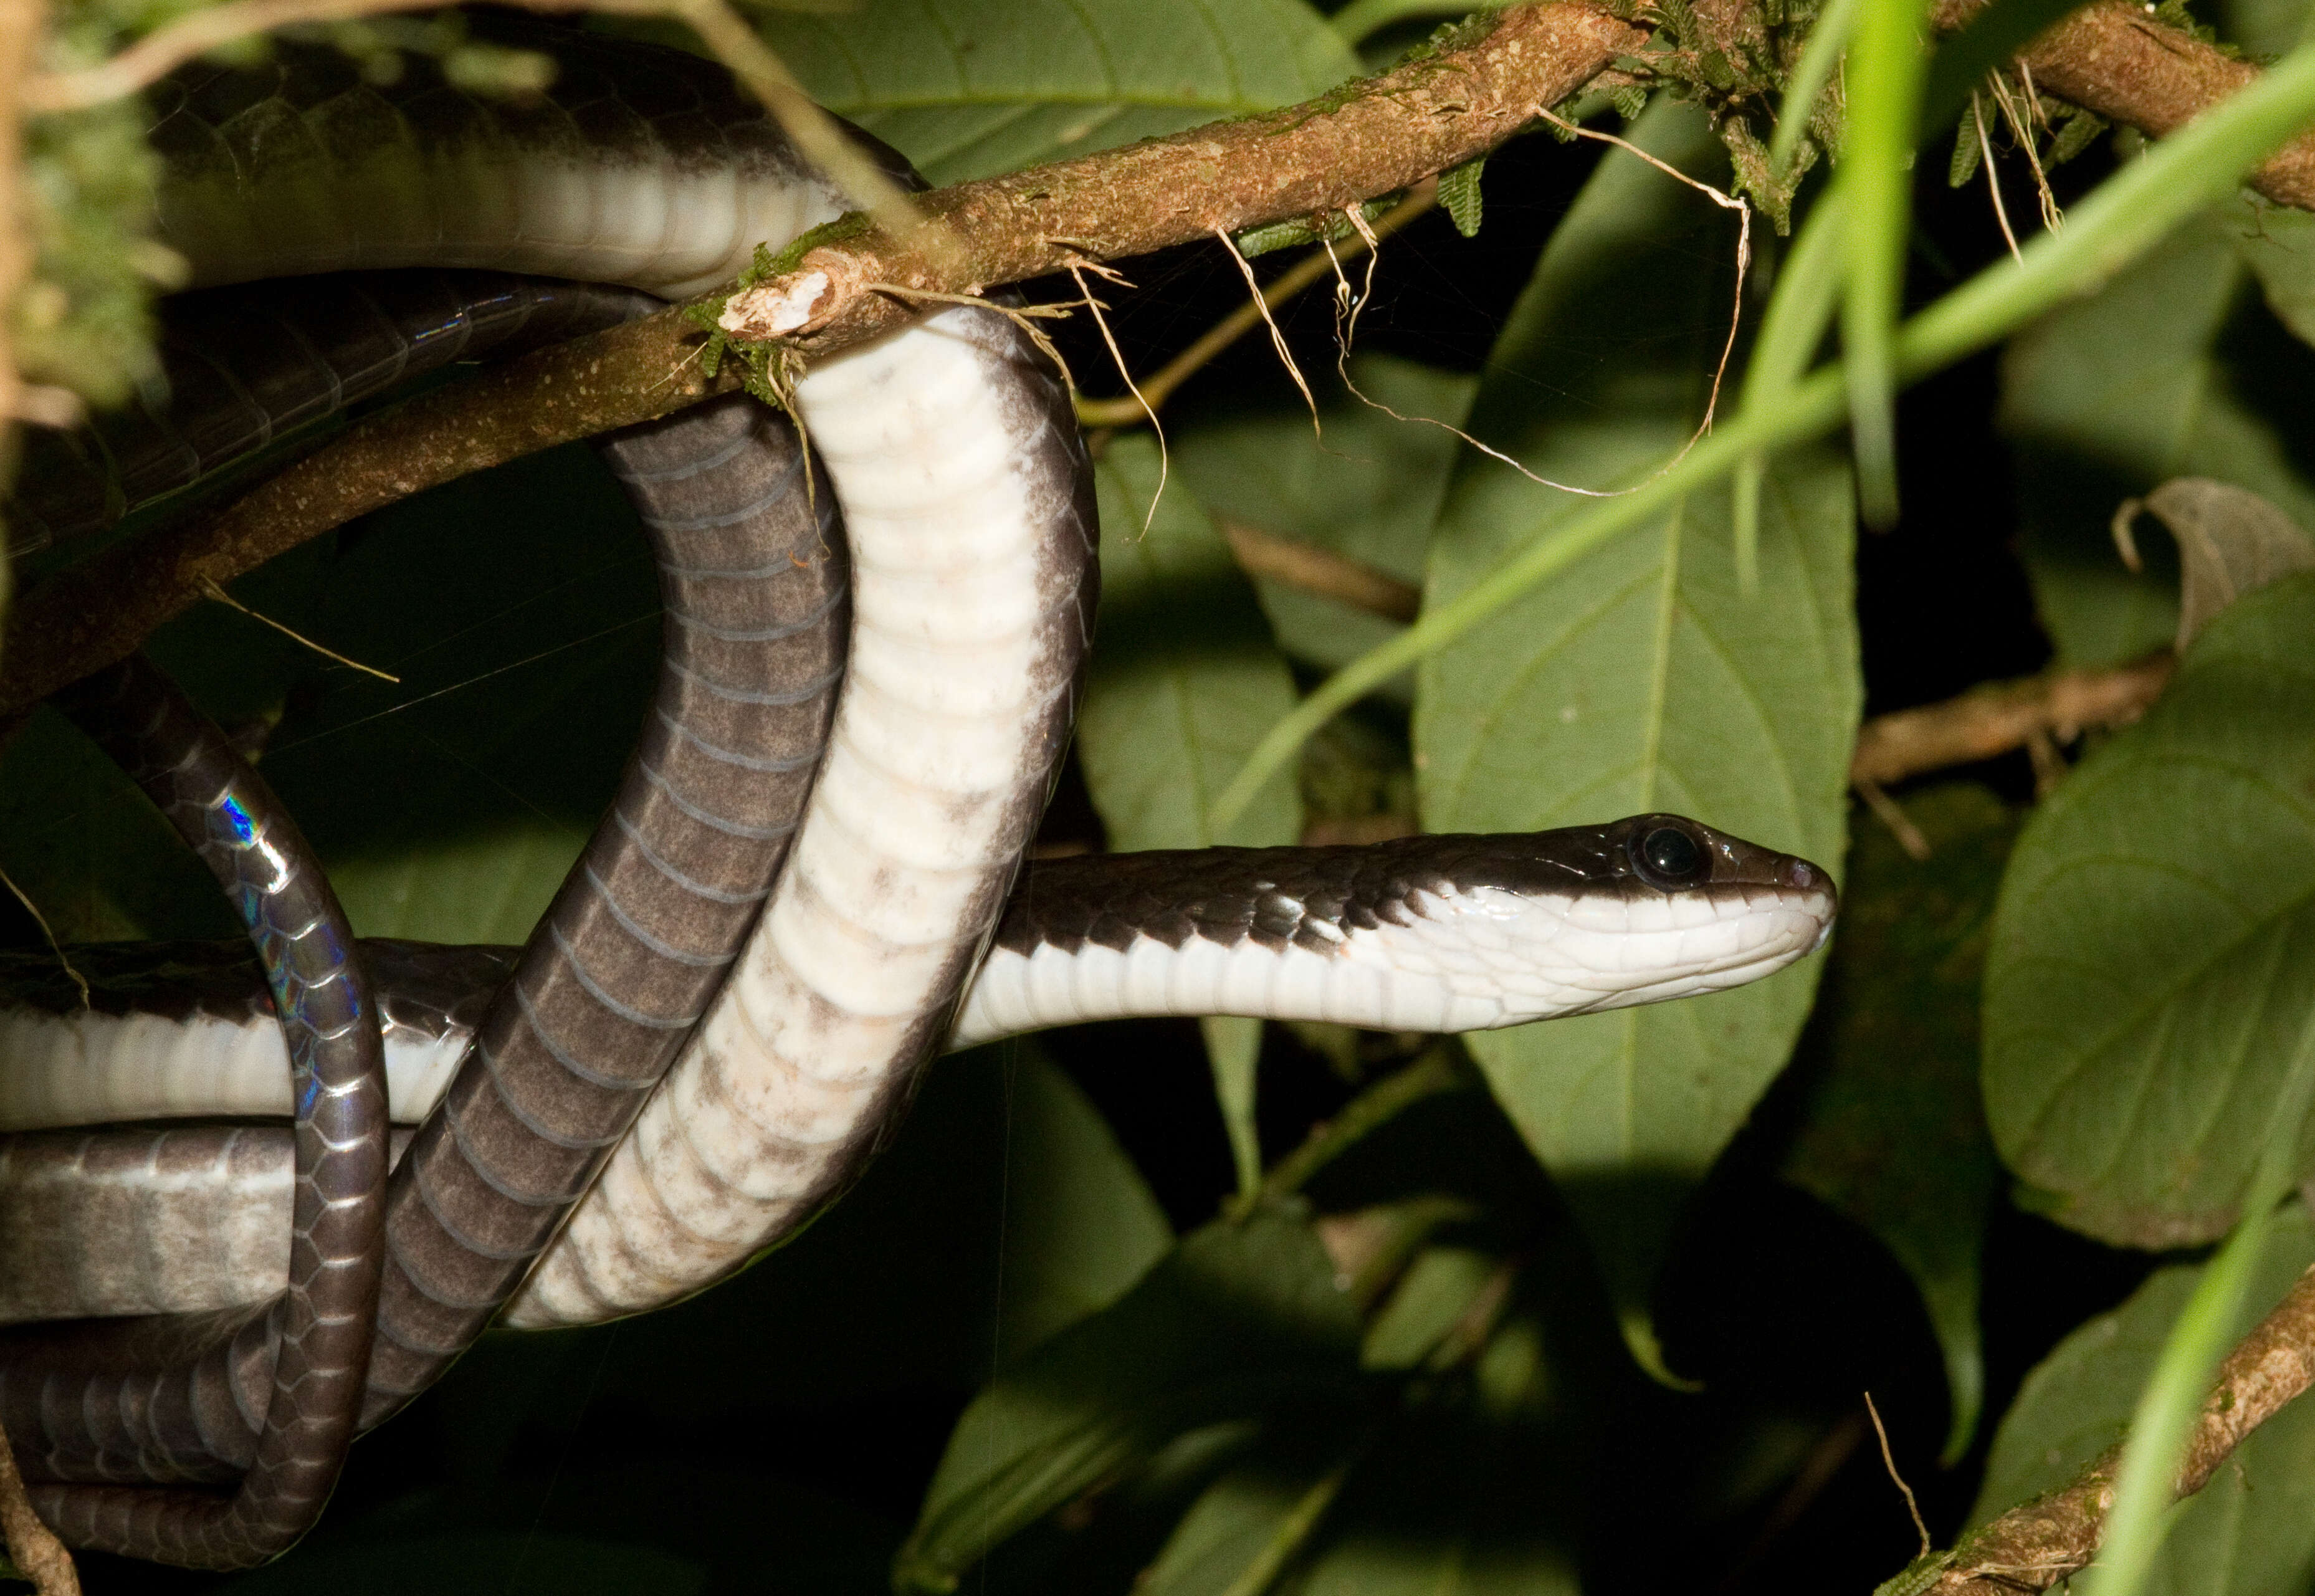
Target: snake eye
[{"x": 1669, "y": 858}]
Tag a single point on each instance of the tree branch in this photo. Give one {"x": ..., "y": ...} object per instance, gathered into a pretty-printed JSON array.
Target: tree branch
[
  {"x": 2111, "y": 57},
  {"x": 1318, "y": 571},
  {"x": 2039, "y": 1544},
  {"x": 2002, "y": 716},
  {"x": 846, "y": 283}
]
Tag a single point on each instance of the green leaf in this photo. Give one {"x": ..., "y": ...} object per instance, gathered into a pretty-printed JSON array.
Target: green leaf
[
  {"x": 1184, "y": 680},
  {"x": 1459, "y": 192},
  {"x": 2251, "y": 1531},
  {"x": 1966, "y": 151},
  {"x": 1894, "y": 1135},
  {"x": 966, "y": 90},
  {"x": 1370, "y": 490},
  {"x": 1080, "y": 1226},
  {"x": 2150, "y": 968},
  {"x": 2163, "y": 1423},
  {"x": 1640, "y": 678},
  {"x": 2107, "y": 397},
  {"x": 93, "y": 855},
  {"x": 2278, "y": 244},
  {"x": 1468, "y": 1497},
  {"x": 1828, "y": 38},
  {"x": 1235, "y": 1319},
  {"x": 1256, "y": 1519},
  {"x": 2262, "y": 27}
]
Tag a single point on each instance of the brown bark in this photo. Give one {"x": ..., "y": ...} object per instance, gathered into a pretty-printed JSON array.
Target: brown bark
[
  {"x": 1994, "y": 719},
  {"x": 1320, "y": 157},
  {"x": 2037, "y": 1545},
  {"x": 2117, "y": 61}
]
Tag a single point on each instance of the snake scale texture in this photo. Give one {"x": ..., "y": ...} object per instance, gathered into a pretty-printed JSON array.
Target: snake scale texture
[
  {"x": 149, "y": 1377},
  {"x": 754, "y": 588}
]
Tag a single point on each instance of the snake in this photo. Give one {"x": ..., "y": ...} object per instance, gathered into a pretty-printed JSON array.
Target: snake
[
  {"x": 312, "y": 1331},
  {"x": 967, "y": 516}
]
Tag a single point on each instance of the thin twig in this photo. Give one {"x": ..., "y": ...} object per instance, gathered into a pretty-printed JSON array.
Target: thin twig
[
  {"x": 1890, "y": 1463},
  {"x": 1078, "y": 269},
  {"x": 2021, "y": 125},
  {"x": 2000, "y": 718},
  {"x": 1992, "y": 176},
  {"x": 1277, "y": 338},
  {"x": 1127, "y": 411},
  {"x": 1379, "y": 136},
  {"x": 171, "y": 45},
  {"x": 1892, "y": 814},
  {"x": 1712, "y": 401},
  {"x": 55, "y": 947},
  {"x": 211, "y": 587},
  {"x": 1438, "y": 1069},
  {"x": 2110, "y": 57},
  {"x": 1322, "y": 572}
]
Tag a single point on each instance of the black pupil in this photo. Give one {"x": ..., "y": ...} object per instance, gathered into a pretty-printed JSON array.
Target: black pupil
[{"x": 1672, "y": 852}]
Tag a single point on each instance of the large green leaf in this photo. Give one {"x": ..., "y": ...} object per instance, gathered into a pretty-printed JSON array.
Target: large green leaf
[
  {"x": 966, "y": 89},
  {"x": 1236, "y": 1318},
  {"x": 1079, "y": 1224},
  {"x": 1257, "y": 1517},
  {"x": 1185, "y": 681},
  {"x": 1370, "y": 488},
  {"x": 2153, "y": 957},
  {"x": 1894, "y": 1134},
  {"x": 2130, "y": 387},
  {"x": 2251, "y": 1531},
  {"x": 1641, "y": 678}
]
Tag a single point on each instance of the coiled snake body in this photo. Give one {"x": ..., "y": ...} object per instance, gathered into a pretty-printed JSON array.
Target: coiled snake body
[{"x": 968, "y": 520}]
